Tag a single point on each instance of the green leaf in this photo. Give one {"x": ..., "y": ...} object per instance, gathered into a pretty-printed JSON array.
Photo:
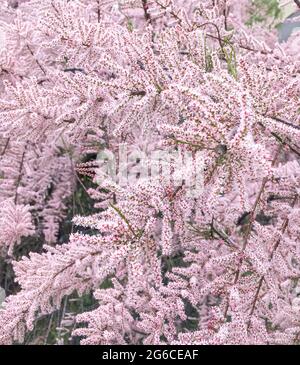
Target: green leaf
[{"x": 247, "y": 273}]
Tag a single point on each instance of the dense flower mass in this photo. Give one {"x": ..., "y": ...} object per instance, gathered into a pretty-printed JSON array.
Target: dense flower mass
[{"x": 180, "y": 120}]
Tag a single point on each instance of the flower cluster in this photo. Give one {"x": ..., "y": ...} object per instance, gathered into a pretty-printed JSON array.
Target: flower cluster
[{"x": 83, "y": 78}]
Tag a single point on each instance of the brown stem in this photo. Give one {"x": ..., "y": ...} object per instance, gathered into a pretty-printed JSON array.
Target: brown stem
[
  {"x": 98, "y": 11},
  {"x": 283, "y": 229},
  {"x": 223, "y": 236},
  {"x": 225, "y": 16},
  {"x": 219, "y": 38},
  {"x": 146, "y": 12},
  {"x": 294, "y": 148},
  {"x": 37, "y": 61},
  {"x": 250, "y": 224},
  {"x": 285, "y": 122},
  {"x": 20, "y": 176},
  {"x": 5, "y": 146}
]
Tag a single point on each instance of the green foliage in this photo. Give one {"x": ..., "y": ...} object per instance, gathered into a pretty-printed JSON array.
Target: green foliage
[
  {"x": 263, "y": 10},
  {"x": 130, "y": 25},
  {"x": 208, "y": 58},
  {"x": 247, "y": 273},
  {"x": 230, "y": 57},
  {"x": 47, "y": 329},
  {"x": 192, "y": 321}
]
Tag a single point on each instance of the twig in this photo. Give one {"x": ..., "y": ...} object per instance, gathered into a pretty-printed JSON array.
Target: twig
[
  {"x": 285, "y": 122},
  {"x": 283, "y": 229},
  {"x": 37, "y": 61},
  {"x": 225, "y": 15},
  {"x": 5, "y": 146},
  {"x": 98, "y": 12},
  {"x": 219, "y": 38},
  {"x": 146, "y": 12},
  {"x": 20, "y": 176},
  {"x": 48, "y": 329},
  {"x": 282, "y": 141},
  {"x": 223, "y": 235},
  {"x": 124, "y": 218},
  {"x": 250, "y": 224}
]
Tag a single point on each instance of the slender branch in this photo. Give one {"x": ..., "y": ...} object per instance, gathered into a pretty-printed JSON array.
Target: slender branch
[
  {"x": 294, "y": 149},
  {"x": 285, "y": 122},
  {"x": 219, "y": 38},
  {"x": 20, "y": 176},
  {"x": 226, "y": 15},
  {"x": 124, "y": 218},
  {"x": 5, "y": 146},
  {"x": 250, "y": 224},
  {"x": 223, "y": 235},
  {"x": 37, "y": 61},
  {"x": 146, "y": 12},
  {"x": 243, "y": 47},
  {"x": 283, "y": 229},
  {"x": 98, "y": 12}
]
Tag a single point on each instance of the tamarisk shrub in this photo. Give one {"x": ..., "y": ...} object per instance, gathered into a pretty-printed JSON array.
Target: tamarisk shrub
[{"x": 81, "y": 78}]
